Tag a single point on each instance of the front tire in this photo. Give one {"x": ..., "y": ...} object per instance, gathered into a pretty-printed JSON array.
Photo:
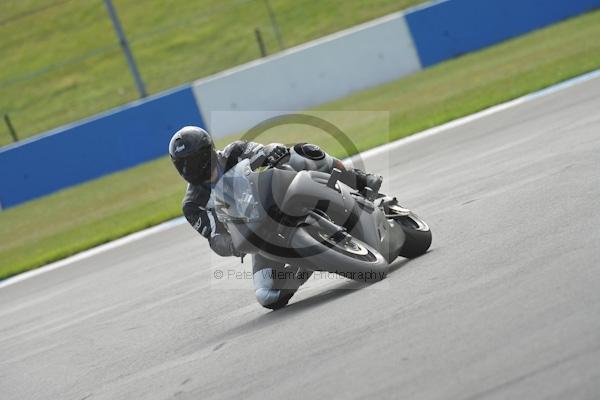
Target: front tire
[{"x": 346, "y": 256}]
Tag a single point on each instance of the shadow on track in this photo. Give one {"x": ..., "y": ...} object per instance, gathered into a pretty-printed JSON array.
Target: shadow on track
[{"x": 270, "y": 318}]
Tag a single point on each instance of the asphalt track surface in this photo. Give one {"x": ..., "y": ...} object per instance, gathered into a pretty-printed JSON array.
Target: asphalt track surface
[{"x": 505, "y": 305}]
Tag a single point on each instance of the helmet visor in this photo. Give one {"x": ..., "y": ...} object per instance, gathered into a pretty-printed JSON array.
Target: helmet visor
[{"x": 196, "y": 168}]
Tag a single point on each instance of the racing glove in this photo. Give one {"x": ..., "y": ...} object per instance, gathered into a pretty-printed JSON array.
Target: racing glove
[
  {"x": 278, "y": 154},
  {"x": 223, "y": 246}
]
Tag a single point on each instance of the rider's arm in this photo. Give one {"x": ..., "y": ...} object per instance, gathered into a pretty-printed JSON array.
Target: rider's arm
[
  {"x": 255, "y": 152},
  {"x": 205, "y": 222},
  {"x": 240, "y": 150}
]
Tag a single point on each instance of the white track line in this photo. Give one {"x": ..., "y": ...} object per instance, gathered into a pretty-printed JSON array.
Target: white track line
[
  {"x": 374, "y": 152},
  {"x": 92, "y": 252}
]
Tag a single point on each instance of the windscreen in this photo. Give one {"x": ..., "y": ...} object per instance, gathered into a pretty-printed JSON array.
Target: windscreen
[{"x": 233, "y": 196}]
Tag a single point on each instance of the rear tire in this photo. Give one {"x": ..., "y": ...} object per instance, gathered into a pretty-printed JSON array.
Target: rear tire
[
  {"x": 416, "y": 231},
  {"x": 416, "y": 243}
]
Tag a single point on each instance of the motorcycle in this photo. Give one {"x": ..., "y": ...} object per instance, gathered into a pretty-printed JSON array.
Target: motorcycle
[{"x": 314, "y": 220}]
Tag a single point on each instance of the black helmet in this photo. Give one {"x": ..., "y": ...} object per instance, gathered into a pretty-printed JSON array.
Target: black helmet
[{"x": 193, "y": 154}]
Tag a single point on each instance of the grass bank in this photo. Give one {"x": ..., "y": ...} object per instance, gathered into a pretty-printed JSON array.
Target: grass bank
[
  {"x": 61, "y": 60},
  {"x": 96, "y": 212}
]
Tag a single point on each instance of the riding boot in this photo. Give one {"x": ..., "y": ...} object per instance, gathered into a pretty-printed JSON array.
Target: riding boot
[{"x": 360, "y": 180}]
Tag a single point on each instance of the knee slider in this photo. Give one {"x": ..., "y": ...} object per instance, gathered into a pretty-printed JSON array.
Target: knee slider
[{"x": 267, "y": 296}]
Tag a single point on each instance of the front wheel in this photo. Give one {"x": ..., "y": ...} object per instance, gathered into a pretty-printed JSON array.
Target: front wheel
[{"x": 341, "y": 253}]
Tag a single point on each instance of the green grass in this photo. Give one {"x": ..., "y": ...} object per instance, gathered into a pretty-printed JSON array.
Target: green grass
[
  {"x": 173, "y": 42},
  {"x": 69, "y": 221}
]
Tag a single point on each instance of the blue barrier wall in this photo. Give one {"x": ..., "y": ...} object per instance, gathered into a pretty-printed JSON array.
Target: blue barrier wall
[
  {"x": 111, "y": 142},
  {"x": 450, "y": 28}
]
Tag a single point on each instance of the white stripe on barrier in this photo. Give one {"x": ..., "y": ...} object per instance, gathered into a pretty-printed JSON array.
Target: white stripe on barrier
[{"x": 314, "y": 73}]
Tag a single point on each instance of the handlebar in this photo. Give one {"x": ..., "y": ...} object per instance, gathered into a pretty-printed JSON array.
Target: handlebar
[{"x": 270, "y": 161}]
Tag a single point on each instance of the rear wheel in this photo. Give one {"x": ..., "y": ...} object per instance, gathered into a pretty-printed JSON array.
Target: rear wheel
[{"x": 416, "y": 231}]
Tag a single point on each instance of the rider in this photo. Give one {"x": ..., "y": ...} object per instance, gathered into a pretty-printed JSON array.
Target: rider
[{"x": 193, "y": 153}]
